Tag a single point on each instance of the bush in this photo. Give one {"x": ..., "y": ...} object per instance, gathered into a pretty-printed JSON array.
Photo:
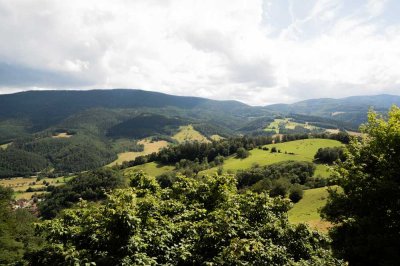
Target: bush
[
  {"x": 296, "y": 193},
  {"x": 280, "y": 187},
  {"x": 242, "y": 153}
]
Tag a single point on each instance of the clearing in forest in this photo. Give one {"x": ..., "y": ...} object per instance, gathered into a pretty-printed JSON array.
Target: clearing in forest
[
  {"x": 63, "y": 135},
  {"x": 188, "y": 133},
  {"x": 149, "y": 147},
  {"x": 307, "y": 209}
]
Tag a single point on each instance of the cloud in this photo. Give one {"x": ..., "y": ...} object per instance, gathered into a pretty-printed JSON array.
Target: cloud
[{"x": 258, "y": 52}]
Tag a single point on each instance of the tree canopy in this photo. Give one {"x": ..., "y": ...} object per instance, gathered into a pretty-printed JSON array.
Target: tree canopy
[
  {"x": 366, "y": 210},
  {"x": 202, "y": 221}
]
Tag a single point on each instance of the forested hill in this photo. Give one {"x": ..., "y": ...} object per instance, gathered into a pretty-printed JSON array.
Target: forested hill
[
  {"x": 350, "y": 109},
  {"x": 44, "y": 108}
]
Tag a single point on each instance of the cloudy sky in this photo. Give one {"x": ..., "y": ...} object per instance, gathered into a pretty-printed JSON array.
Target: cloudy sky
[{"x": 258, "y": 52}]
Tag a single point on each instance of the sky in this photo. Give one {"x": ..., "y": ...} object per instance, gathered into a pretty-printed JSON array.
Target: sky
[{"x": 258, "y": 52}]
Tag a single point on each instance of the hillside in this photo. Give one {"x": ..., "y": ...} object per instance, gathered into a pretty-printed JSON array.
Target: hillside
[
  {"x": 48, "y": 108},
  {"x": 70, "y": 131}
]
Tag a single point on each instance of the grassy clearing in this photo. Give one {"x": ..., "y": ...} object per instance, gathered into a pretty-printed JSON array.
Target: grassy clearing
[
  {"x": 62, "y": 135},
  {"x": 287, "y": 123},
  {"x": 5, "y": 146},
  {"x": 303, "y": 150},
  {"x": 149, "y": 147},
  {"x": 216, "y": 137},
  {"x": 152, "y": 169},
  {"x": 188, "y": 133},
  {"x": 307, "y": 209},
  {"x": 20, "y": 185}
]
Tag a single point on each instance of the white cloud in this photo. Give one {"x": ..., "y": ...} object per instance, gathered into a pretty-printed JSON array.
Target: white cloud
[{"x": 258, "y": 52}]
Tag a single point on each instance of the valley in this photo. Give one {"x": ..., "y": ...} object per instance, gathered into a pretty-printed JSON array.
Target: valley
[{"x": 105, "y": 145}]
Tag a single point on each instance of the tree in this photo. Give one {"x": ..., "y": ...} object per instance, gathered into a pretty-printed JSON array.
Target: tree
[
  {"x": 296, "y": 193},
  {"x": 329, "y": 155},
  {"x": 242, "y": 153},
  {"x": 196, "y": 221},
  {"x": 366, "y": 210}
]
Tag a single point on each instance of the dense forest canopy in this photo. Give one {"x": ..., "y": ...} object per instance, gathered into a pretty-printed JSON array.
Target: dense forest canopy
[{"x": 196, "y": 222}]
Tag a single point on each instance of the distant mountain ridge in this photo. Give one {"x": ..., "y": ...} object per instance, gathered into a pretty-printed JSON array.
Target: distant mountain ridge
[
  {"x": 349, "y": 109},
  {"x": 98, "y": 111}
]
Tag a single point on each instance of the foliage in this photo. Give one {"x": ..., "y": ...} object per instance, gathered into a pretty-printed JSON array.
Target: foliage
[
  {"x": 78, "y": 153},
  {"x": 16, "y": 231},
  {"x": 145, "y": 125},
  {"x": 194, "y": 222},
  {"x": 211, "y": 151},
  {"x": 296, "y": 193},
  {"x": 91, "y": 185},
  {"x": 366, "y": 213},
  {"x": 295, "y": 172},
  {"x": 16, "y": 162},
  {"x": 127, "y": 145},
  {"x": 242, "y": 153},
  {"x": 329, "y": 155}
]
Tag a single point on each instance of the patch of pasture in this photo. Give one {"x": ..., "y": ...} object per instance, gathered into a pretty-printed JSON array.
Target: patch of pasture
[
  {"x": 62, "y": 135},
  {"x": 298, "y": 150},
  {"x": 149, "y": 147},
  {"x": 216, "y": 137},
  {"x": 188, "y": 133},
  {"x": 287, "y": 123},
  {"x": 307, "y": 209},
  {"x": 5, "y": 146},
  {"x": 20, "y": 184},
  {"x": 152, "y": 169}
]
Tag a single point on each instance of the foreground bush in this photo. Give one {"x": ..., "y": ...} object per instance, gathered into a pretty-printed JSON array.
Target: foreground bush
[{"x": 194, "y": 222}]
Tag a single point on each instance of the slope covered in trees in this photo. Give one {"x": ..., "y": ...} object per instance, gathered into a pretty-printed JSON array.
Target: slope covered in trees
[{"x": 17, "y": 162}]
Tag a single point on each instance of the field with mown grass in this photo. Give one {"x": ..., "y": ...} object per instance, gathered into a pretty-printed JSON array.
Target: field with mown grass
[
  {"x": 188, "y": 133},
  {"x": 149, "y": 147},
  {"x": 62, "y": 135},
  {"x": 287, "y": 123},
  {"x": 298, "y": 150},
  {"x": 307, "y": 209},
  {"x": 153, "y": 168},
  {"x": 21, "y": 184},
  {"x": 5, "y": 146}
]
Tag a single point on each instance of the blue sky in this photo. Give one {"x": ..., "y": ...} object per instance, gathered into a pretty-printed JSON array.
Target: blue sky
[{"x": 258, "y": 52}]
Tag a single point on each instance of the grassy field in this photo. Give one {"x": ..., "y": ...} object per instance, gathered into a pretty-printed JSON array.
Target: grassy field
[
  {"x": 5, "y": 146},
  {"x": 303, "y": 150},
  {"x": 288, "y": 123},
  {"x": 20, "y": 185},
  {"x": 306, "y": 210},
  {"x": 149, "y": 147},
  {"x": 63, "y": 135},
  {"x": 152, "y": 168},
  {"x": 188, "y": 133},
  {"x": 216, "y": 137}
]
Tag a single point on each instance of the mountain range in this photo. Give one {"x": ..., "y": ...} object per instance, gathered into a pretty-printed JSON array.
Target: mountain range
[{"x": 103, "y": 112}]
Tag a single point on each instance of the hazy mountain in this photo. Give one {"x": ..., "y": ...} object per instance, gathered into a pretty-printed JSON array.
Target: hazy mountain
[{"x": 350, "y": 109}]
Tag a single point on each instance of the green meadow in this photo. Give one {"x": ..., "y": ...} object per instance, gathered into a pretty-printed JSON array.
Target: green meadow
[
  {"x": 307, "y": 209},
  {"x": 298, "y": 150},
  {"x": 153, "y": 168}
]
